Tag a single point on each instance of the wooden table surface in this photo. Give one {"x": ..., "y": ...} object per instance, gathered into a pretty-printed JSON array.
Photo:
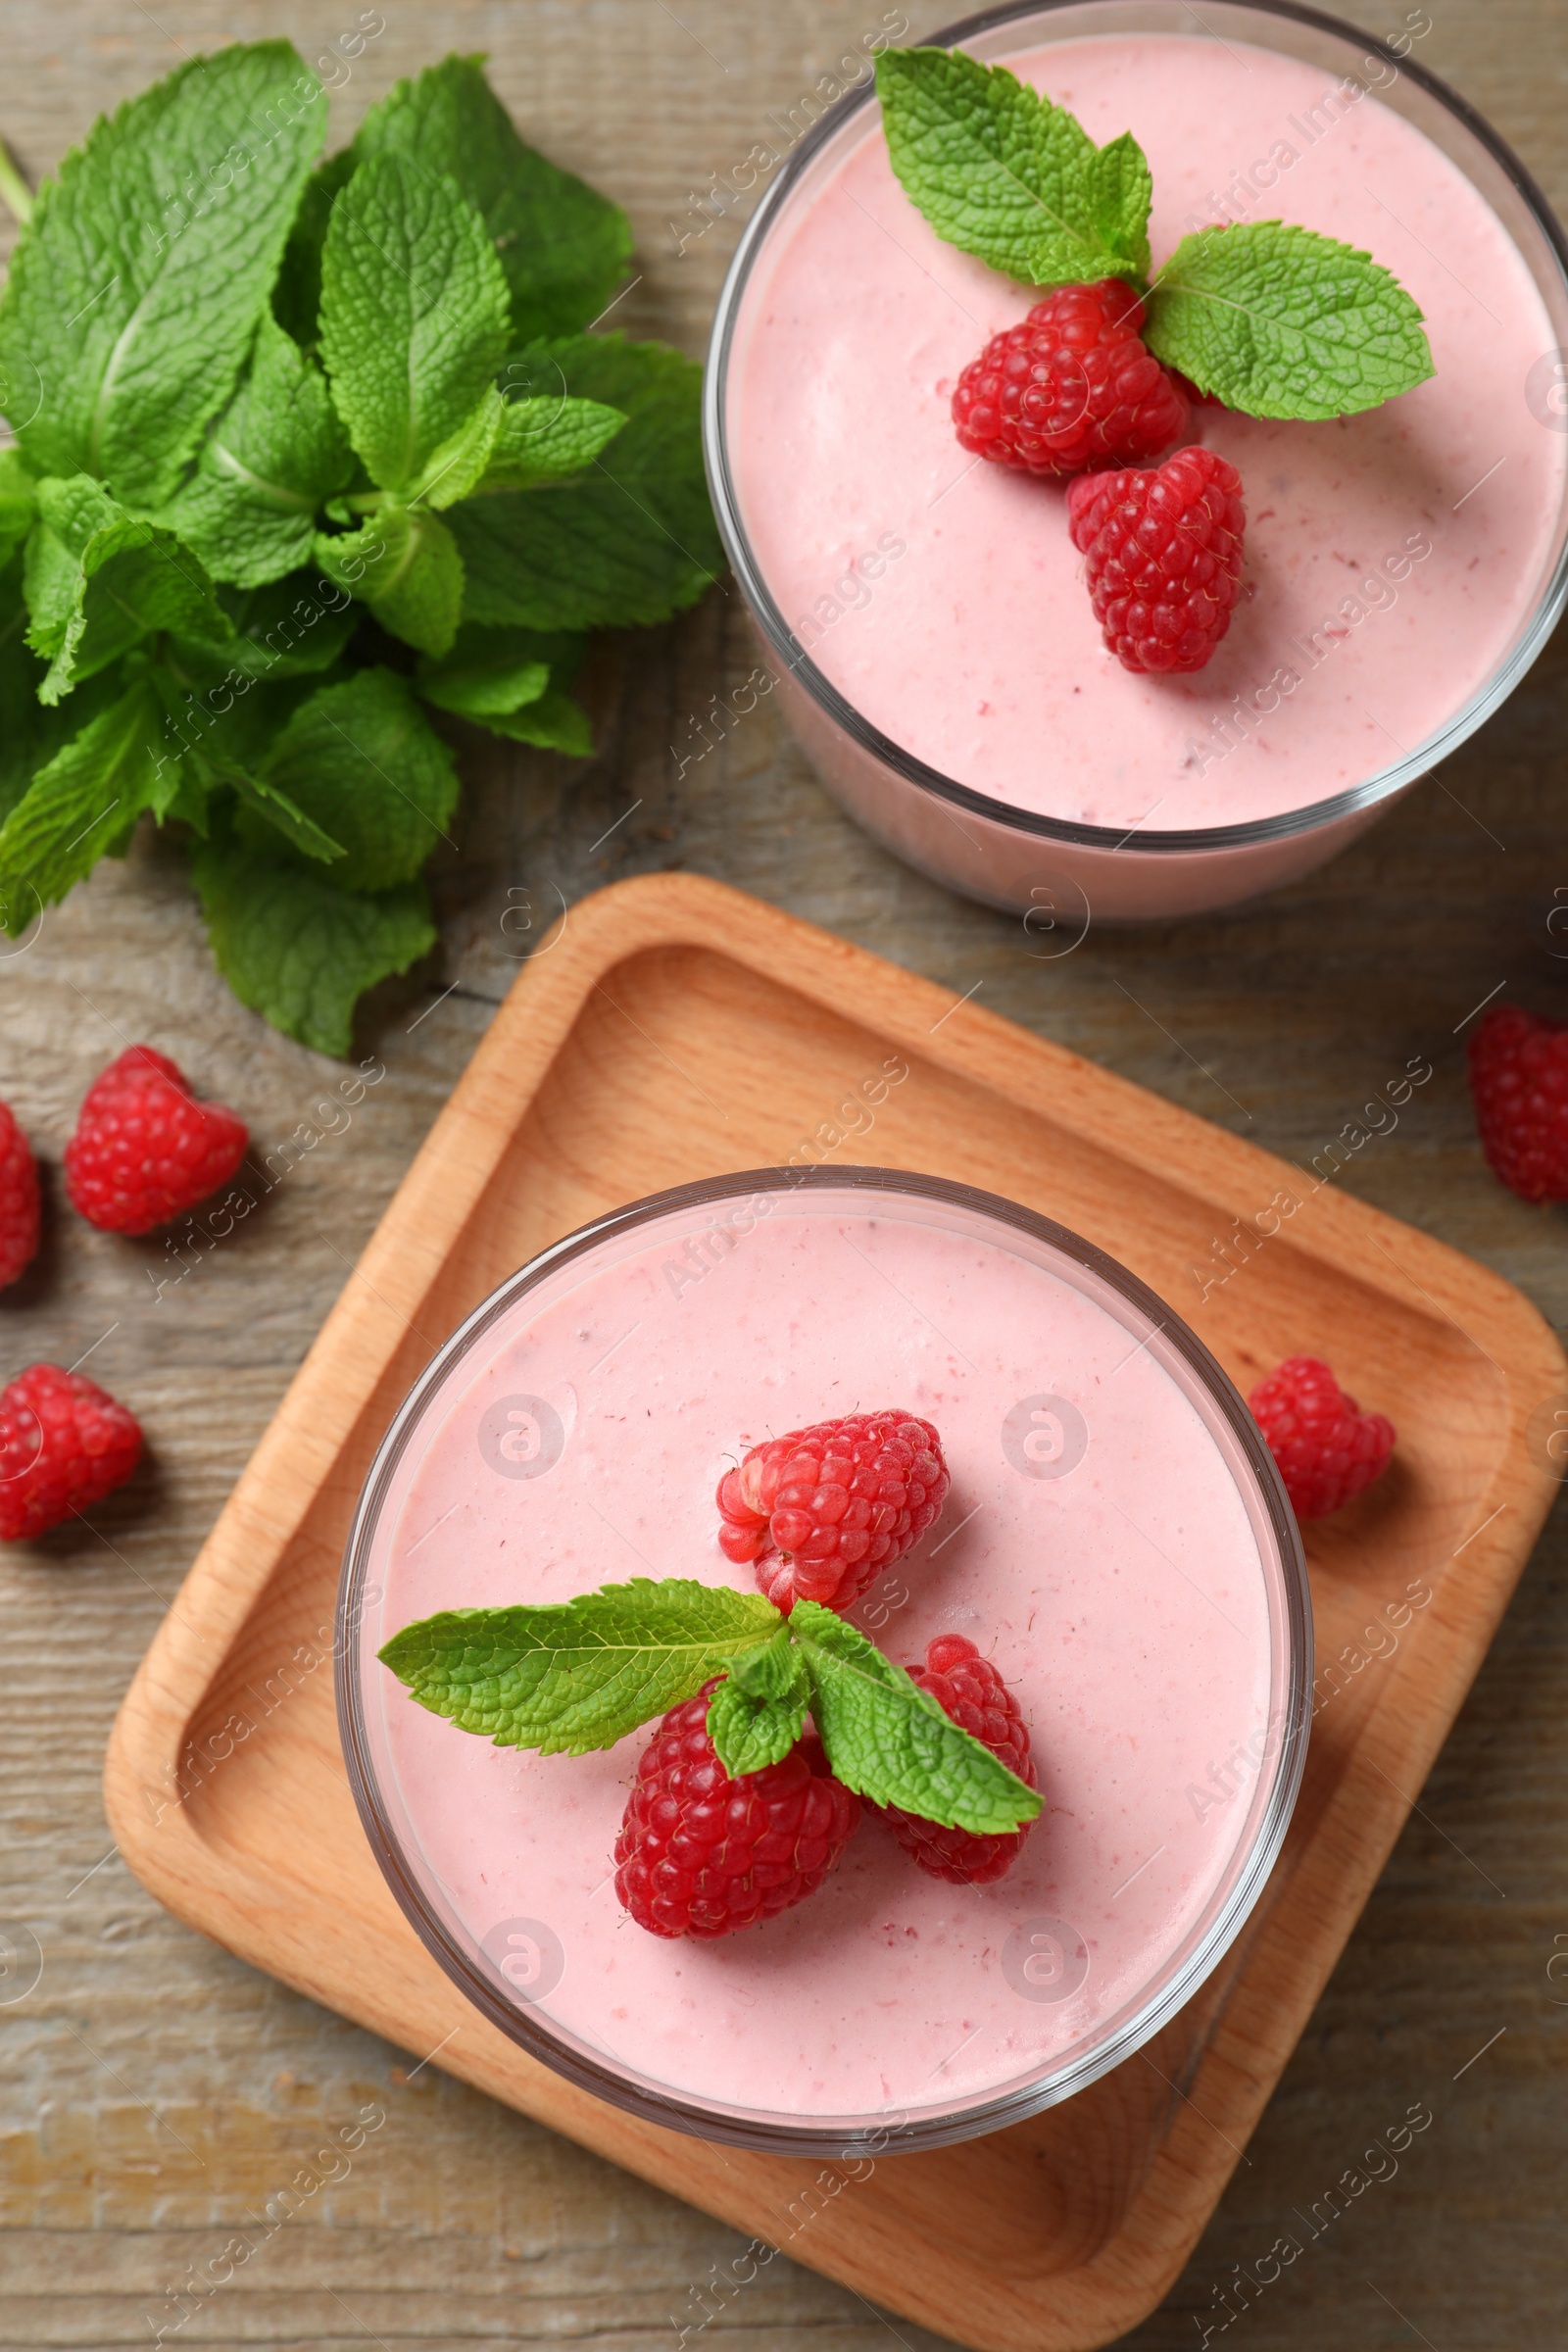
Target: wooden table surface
[{"x": 154, "y": 2092}]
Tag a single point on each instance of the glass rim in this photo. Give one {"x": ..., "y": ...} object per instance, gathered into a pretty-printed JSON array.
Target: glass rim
[
  {"x": 1252, "y": 832},
  {"x": 824, "y": 2136}
]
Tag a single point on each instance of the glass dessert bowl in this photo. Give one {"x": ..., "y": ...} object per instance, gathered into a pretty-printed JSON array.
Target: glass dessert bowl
[
  {"x": 1116, "y": 1540},
  {"x": 922, "y": 611}
]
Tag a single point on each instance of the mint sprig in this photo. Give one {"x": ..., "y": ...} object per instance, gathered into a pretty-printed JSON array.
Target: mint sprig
[
  {"x": 1272, "y": 320},
  {"x": 566, "y": 1677},
  {"x": 270, "y": 417}
]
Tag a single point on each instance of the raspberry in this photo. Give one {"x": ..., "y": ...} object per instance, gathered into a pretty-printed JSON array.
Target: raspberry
[
  {"x": 700, "y": 1854},
  {"x": 1519, "y": 1080},
  {"x": 969, "y": 1687},
  {"x": 18, "y": 1200},
  {"x": 145, "y": 1149},
  {"x": 1070, "y": 388},
  {"x": 823, "y": 1511},
  {"x": 1326, "y": 1448},
  {"x": 1162, "y": 557},
  {"x": 64, "y": 1444}
]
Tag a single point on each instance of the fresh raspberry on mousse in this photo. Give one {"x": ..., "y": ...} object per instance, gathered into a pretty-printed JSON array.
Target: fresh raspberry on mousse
[
  {"x": 18, "y": 1200},
  {"x": 1162, "y": 557},
  {"x": 969, "y": 1688},
  {"x": 65, "y": 1444},
  {"x": 819, "y": 1513},
  {"x": 1326, "y": 1448},
  {"x": 1072, "y": 387},
  {"x": 700, "y": 1854},
  {"x": 1519, "y": 1084},
  {"x": 145, "y": 1150}
]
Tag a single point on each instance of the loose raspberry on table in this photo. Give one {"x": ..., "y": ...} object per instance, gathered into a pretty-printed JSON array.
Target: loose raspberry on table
[
  {"x": 144, "y": 1149},
  {"x": 1162, "y": 556},
  {"x": 64, "y": 1446},
  {"x": 18, "y": 1200},
  {"x": 821, "y": 1512},
  {"x": 701, "y": 1854},
  {"x": 1072, "y": 387},
  {"x": 1519, "y": 1083},
  {"x": 967, "y": 1687},
  {"x": 1326, "y": 1448}
]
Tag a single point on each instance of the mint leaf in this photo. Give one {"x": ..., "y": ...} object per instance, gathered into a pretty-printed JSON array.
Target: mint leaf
[
  {"x": 17, "y": 503},
  {"x": 297, "y": 295},
  {"x": 361, "y": 762},
  {"x": 136, "y": 288},
  {"x": 69, "y": 512},
  {"x": 887, "y": 1739},
  {"x": 483, "y": 691},
  {"x": 1121, "y": 193},
  {"x": 297, "y": 948},
  {"x": 1280, "y": 321},
  {"x": 84, "y": 800},
  {"x": 999, "y": 171},
  {"x": 287, "y": 629},
  {"x": 552, "y": 722},
  {"x": 544, "y": 440},
  {"x": 634, "y": 541},
  {"x": 27, "y": 728},
  {"x": 759, "y": 1711},
  {"x": 453, "y": 470},
  {"x": 563, "y": 247},
  {"x": 572, "y": 1676},
  {"x": 98, "y": 580},
  {"x": 284, "y": 816},
  {"x": 414, "y": 314},
  {"x": 275, "y": 453},
  {"x": 406, "y": 566},
  {"x": 513, "y": 682}
]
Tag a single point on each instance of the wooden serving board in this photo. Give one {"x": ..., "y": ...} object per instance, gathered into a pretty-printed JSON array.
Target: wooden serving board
[{"x": 671, "y": 1029}]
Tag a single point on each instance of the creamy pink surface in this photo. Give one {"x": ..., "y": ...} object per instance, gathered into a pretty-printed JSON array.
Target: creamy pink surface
[
  {"x": 1125, "y": 1602},
  {"x": 975, "y": 649}
]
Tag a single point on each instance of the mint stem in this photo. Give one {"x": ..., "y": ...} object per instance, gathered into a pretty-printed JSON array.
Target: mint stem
[{"x": 14, "y": 189}]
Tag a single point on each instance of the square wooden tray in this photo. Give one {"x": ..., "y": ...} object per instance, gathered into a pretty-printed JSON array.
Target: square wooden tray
[{"x": 672, "y": 1029}]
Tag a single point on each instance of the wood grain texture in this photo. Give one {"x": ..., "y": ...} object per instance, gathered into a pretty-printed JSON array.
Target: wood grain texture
[
  {"x": 461, "y": 2223},
  {"x": 224, "y": 1786}
]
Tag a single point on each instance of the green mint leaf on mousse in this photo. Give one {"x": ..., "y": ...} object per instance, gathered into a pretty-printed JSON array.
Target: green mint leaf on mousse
[
  {"x": 413, "y": 314},
  {"x": 1280, "y": 321},
  {"x": 273, "y": 455},
  {"x": 887, "y": 1740},
  {"x": 570, "y": 1675},
  {"x": 136, "y": 288},
  {"x": 577, "y": 1675},
  {"x": 297, "y": 948},
  {"x": 564, "y": 249},
  {"x": 999, "y": 171},
  {"x": 759, "y": 1711},
  {"x": 1121, "y": 192}
]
